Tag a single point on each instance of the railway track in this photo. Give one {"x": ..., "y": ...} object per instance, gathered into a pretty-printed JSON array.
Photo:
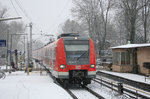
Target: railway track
[
  {"x": 71, "y": 92},
  {"x": 94, "y": 93},
  {"x": 133, "y": 91},
  {"x": 83, "y": 88},
  {"x": 85, "y": 92},
  {"x": 102, "y": 82},
  {"x": 139, "y": 85}
]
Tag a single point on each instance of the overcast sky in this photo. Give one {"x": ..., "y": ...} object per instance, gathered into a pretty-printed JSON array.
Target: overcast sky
[{"x": 46, "y": 15}]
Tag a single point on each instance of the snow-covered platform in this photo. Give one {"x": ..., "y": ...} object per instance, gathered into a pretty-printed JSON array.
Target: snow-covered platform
[
  {"x": 19, "y": 85},
  {"x": 135, "y": 77}
]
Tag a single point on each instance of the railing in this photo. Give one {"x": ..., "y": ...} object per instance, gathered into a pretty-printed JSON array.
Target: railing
[{"x": 121, "y": 88}]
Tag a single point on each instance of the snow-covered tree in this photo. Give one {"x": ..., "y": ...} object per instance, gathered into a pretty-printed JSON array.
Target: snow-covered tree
[{"x": 71, "y": 26}]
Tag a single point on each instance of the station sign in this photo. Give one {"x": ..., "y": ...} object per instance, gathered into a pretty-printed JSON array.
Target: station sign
[
  {"x": 9, "y": 51},
  {"x": 2, "y": 43}
]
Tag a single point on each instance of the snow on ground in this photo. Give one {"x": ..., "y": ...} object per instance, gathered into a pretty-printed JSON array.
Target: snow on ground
[
  {"x": 106, "y": 92},
  {"x": 4, "y": 67},
  {"x": 135, "y": 77},
  {"x": 83, "y": 94},
  {"x": 19, "y": 85}
]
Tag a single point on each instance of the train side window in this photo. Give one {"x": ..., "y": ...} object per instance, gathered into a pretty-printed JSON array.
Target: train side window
[
  {"x": 50, "y": 52},
  {"x": 45, "y": 52},
  {"x": 54, "y": 53}
]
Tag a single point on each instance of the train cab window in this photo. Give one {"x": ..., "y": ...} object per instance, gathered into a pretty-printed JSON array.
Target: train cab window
[{"x": 77, "y": 51}]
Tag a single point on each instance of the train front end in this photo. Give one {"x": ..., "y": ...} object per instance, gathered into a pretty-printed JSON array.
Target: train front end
[{"x": 76, "y": 60}]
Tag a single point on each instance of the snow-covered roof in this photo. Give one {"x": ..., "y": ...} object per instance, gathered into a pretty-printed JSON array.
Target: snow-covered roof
[{"x": 131, "y": 46}]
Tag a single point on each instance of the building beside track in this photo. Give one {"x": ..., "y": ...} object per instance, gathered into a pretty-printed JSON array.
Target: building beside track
[{"x": 133, "y": 58}]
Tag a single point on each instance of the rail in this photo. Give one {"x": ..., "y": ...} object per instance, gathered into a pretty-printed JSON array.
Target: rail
[{"x": 93, "y": 92}]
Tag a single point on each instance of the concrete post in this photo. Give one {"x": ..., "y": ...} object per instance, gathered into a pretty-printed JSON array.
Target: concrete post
[{"x": 120, "y": 88}]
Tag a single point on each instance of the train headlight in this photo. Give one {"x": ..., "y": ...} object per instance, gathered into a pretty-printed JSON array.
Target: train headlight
[
  {"x": 92, "y": 65},
  {"x": 62, "y": 66},
  {"x": 75, "y": 38}
]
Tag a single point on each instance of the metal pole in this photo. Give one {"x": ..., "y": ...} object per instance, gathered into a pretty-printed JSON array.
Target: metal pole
[
  {"x": 10, "y": 52},
  {"x": 27, "y": 69},
  {"x": 27, "y": 53},
  {"x": 7, "y": 50},
  {"x": 20, "y": 61},
  {"x": 30, "y": 42},
  {"x": 24, "y": 50},
  {"x": 11, "y": 49}
]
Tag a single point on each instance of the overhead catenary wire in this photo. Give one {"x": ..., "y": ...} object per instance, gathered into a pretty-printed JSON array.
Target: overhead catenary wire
[
  {"x": 14, "y": 7},
  {"x": 22, "y": 9},
  {"x": 60, "y": 14},
  {"x": 25, "y": 13},
  {"x": 19, "y": 5},
  {"x": 64, "y": 21}
]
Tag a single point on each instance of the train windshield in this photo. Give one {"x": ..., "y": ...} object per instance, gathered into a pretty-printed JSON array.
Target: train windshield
[{"x": 77, "y": 52}]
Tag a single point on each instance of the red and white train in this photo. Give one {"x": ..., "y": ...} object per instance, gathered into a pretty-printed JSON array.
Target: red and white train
[{"x": 70, "y": 59}]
